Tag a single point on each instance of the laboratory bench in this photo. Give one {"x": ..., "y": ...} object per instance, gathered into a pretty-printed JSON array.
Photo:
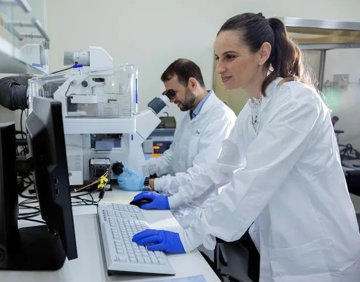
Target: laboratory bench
[{"x": 90, "y": 264}]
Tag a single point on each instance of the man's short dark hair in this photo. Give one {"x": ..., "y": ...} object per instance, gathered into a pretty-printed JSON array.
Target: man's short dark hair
[{"x": 183, "y": 69}]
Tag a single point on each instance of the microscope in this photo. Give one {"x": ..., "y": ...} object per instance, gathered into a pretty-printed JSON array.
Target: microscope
[{"x": 102, "y": 123}]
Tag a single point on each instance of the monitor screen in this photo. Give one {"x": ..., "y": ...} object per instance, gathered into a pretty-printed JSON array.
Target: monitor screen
[{"x": 45, "y": 247}]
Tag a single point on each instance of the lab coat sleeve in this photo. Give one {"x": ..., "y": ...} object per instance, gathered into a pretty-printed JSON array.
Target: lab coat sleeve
[
  {"x": 160, "y": 165},
  {"x": 209, "y": 149},
  {"x": 163, "y": 165},
  {"x": 269, "y": 159},
  {"x": 199, "y": 185}
]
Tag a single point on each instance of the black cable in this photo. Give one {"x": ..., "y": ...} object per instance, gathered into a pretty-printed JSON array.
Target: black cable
[
  {"x": 28, "y": 214},
  {"x": 100, "y": 184},
  {"x": 29, "y": 197},
  {"x": 62, "y": 70},
  {"x": 27, "y": 183},
  {"x": 348, "y": 152},
  {"x": 21, "y": 118},
  {"x": 82, "y": 201},
  {"x": 33, "y": 220},
  {"x": 27, "y": 204}
]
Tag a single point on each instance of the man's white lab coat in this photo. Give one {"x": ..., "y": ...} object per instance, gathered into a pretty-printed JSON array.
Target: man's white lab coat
[{"x": 197, "y": 142}]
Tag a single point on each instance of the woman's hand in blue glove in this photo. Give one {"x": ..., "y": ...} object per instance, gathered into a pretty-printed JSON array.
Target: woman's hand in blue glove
[
  {"x": 160, "y": 240},
  {"x": 130, "y": 180},
  {"x": 158, "y": 201}
]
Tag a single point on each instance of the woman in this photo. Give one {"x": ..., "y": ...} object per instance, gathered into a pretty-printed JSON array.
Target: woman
[{"x": 279, "y": 171}]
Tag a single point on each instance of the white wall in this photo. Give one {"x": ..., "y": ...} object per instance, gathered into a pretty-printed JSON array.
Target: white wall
[
  {"x": 152, "y": 34},
  {"x": 345, "y": 102}
]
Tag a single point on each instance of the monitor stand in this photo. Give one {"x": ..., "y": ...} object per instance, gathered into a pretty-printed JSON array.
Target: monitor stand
[
  {"x": 30, "y": 248},
  {"x": 37, "y": 250}
]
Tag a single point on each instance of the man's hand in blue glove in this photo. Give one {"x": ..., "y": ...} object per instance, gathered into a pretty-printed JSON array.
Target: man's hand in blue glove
[
  {"x": 158, "y": 201},
  {"x": 160, "y": 240},
  {"x": 130, "y": 180}
]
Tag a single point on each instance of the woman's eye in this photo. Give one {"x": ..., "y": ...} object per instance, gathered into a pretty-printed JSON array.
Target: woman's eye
[{"x": 229, "y": 57}]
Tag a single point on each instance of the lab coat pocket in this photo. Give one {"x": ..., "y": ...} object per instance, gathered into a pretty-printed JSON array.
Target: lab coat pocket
[{"x": 307, "y": 260}]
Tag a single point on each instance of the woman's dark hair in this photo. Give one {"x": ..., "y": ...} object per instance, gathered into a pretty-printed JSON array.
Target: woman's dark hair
[
  {"x": 285, "y": 58},
  {"x": 183, "y": 69}
]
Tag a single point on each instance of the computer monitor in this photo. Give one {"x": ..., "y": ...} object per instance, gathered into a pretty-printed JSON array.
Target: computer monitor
[
  {"x": 9, "y": 235},
  {"x": 42, "y": 247}
]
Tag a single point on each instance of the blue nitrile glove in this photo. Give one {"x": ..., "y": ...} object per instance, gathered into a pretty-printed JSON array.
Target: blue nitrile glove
[
  {"x": 158, "y": 201},
  {"x": 130, "y": 180},
  {"x": 159, "y": 240}
]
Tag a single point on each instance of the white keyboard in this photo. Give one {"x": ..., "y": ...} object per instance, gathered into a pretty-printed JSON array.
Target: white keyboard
[{"x": 118, "y": 223}]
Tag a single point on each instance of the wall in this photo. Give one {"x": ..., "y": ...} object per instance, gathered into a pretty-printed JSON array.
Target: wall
[
  {"x": 6, "y": 115},
  {"x": 344, "y": 99},
  {"x": 151, "y": 34}
]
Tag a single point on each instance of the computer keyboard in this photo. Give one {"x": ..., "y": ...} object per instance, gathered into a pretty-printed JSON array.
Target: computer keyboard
[{"x": 118, "y": 223}]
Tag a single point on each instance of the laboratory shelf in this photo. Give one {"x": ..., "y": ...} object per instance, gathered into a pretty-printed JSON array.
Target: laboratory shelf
[{"x": 10, "y": 62}]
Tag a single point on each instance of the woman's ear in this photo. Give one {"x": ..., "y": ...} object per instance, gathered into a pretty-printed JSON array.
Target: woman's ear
[{"x": 264, "y": 53}]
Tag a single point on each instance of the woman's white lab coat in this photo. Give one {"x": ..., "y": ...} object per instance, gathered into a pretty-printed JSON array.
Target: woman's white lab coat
[
  {"x": 287, "y": 180},
  {"x": 197, "y": 142}
]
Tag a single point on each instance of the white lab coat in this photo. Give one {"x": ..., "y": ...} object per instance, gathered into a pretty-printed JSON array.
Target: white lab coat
[
  {"x": 197, "y": 142},
  {"x": 287, "y": 180}
]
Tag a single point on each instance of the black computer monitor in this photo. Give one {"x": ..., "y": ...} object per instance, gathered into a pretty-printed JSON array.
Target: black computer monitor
[{"x": 42, "y": 247}]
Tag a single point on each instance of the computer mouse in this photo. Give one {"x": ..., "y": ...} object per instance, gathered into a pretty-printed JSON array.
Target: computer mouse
[{"x": 140, "y": 202}]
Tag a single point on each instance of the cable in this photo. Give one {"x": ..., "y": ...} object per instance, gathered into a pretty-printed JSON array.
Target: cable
[
  {"x": 68, "y": 68},
  {"x": 28, "y": 204},
  {"x": 75, "y": 65},
  {"x": 82, "y": 201},
  {"x": 101, "y": 183},
  {"x": 33, "y": 220}
]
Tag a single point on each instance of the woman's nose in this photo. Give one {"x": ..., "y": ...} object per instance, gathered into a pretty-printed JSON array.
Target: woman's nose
[{"x": 219, "y": 68}]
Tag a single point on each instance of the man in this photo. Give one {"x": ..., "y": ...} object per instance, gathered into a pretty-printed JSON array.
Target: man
[{"x": 205, "y": 122}]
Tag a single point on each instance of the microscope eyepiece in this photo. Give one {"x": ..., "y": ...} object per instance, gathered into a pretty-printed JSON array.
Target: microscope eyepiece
[{"x": 170, "y": 93}]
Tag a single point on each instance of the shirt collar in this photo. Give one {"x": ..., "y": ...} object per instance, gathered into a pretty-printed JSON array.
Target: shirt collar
[{"x": 197, "y": 110}]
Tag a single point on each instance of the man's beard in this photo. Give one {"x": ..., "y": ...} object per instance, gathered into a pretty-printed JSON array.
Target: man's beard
[{"x": 189, "y": 101}]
